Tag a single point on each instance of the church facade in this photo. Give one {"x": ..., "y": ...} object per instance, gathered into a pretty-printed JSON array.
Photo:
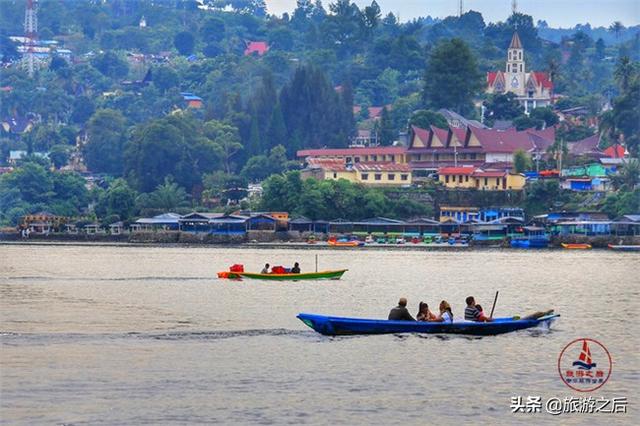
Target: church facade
[{"x": 533, "y": 89}]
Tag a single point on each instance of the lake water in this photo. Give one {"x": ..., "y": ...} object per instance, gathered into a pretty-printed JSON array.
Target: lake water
[{"x": 148, "y": 335}]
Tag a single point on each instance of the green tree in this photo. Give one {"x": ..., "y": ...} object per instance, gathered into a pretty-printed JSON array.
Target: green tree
[
  {"x": 387, "y": 132},
  {"x": 503, "y": 106},
  {"x": 184, "y": 42},
  {"x": 111, "y": 65},
  {"x": 521, "y": 161},
  {"x": 225, "y": 136},
  {"x": 106, "y": 134},
  {"x": 165, "y": 78},
  {"x": 59, "y": 155},
  {"x": 168, "y": 196},
  {"x": 451, "y": 78},
  {"x": 545, "y": 114},
  {"x": 119, "y": 200},
  {"x": 424, "y": 119}
]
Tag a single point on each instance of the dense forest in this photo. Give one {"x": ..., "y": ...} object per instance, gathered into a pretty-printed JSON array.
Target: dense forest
[{"x": 268, "y": 85}]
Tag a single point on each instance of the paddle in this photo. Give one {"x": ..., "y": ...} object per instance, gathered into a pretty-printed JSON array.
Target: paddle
[{"x": 494, "y": 304}]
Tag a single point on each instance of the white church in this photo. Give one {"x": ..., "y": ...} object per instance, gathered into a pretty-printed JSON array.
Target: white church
[{"x": 533, "y": 89}]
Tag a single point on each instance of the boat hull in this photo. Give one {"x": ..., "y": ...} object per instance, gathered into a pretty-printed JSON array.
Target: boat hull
[
  {"x": 578, "y": 246},
  {"x": 335, "y": 326},
  {"x": 530, "y": 243},
  {"x": 322, "y": 275},
  {"x": 624, "y": 247}
]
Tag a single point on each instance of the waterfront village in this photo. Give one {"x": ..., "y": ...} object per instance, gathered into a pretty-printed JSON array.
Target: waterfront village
[{"x": 467, "y": 180}]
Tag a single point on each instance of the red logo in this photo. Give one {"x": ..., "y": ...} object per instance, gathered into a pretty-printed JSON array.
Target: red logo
[{"x": 584, "y": 365}]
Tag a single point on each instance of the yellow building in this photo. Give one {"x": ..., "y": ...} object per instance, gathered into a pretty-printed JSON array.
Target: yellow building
[
  {"x": 366, "y": 173},
  {"x": 469, "y": 177}
]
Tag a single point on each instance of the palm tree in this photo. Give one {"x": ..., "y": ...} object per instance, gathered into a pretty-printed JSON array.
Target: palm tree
[
  {"x": 607, "y": 127},
  {"x": 624, "y": 72},
  {"x": 631, "y": 173},
  {"x": 616, "y": 28},
  {"x": 168, "y": 196}
]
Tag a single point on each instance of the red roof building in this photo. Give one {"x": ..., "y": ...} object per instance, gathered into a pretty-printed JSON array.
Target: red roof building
[
  {"x": 430, "y": 149},
  {"x": 533, "y": 89},
  {"x": 256, "y": 47}
]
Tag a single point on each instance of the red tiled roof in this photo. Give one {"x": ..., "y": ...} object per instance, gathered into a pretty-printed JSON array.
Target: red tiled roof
[
  {"x": 327, "y": 164},
  {"x": 461, "y": 134},
  {"x": 259, "y": 47},
  {"x": 374, "y": 111},
  {"x": 442, "y": 134},
  {"x": 381, "y": 167},
  {"x": 585, "y": 146},
  {"x": 378, "y": 150},
  {"x": 506, "y": 141},
  {"x": 543, "y": 79},
  {"x": 422, "y": 134},
  {"x": 464, "y": 170},
  {"x": 491, "y": 77},
  {"x": 615, "y": 151}
]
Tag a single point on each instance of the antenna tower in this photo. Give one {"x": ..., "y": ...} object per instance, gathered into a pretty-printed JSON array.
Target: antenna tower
[
  {"x": 461, "y": 8},
  {"x": 31, "y": 35},
  {"x": 514, "y": 6}
]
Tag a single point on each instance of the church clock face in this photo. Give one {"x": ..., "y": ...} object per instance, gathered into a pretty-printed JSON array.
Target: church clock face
[{"x": 515, "y": 83}]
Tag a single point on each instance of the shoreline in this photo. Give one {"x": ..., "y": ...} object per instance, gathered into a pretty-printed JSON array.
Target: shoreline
[{"x": 284, "y": 245}]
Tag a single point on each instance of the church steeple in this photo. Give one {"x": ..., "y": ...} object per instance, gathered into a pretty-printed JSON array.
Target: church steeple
[{"x": 515, "y": 55}]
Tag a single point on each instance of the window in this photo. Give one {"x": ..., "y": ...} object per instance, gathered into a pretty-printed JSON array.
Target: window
[
  {"x": 521, "y": 68},
  {"x": 446, "y": 179},
  {"x": 472, "y": 156},
  {"x": 365, "y": 176},
  {"x": 356, "y": 160},
  {"x": 349, "y": 160},
  {"x": 459, "y": 178},
  {"x": 437, "y": 157},
  {"x": 466, "y": 178},
  {"x": 393, "y": 158},
  {"x": 404, "y": 177},
  {"x": 486, "y": 181},
  {"x": 497, "y": 181},
  {"x": 335, "y": 175},
  {"x": 392, "y": 176},
  {"x": 377, "y": 176},
  {"x": 374, "y": 158}
]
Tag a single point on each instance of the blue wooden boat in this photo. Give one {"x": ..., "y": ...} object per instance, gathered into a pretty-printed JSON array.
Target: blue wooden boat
[
  {"x": 534, "y": 238},
  {"x": 333, "y": 326}
]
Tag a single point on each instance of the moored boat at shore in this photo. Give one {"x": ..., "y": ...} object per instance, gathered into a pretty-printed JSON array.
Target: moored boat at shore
[
  {"x": 576, "y": 246},
  {"x": 321, "y": 275},
  {"x": 623, "y": 247},
  {"x": 333, "y": 326}
]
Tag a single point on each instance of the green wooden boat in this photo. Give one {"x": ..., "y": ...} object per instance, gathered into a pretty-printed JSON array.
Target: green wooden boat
[{"x": 321, "y": 275}]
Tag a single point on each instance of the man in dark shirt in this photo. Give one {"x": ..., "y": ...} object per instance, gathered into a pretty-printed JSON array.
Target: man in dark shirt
[
  {"x": 471, "y": 313},
  {"x": 295, "y": 269},
  {"x": 400, "y": 312}
]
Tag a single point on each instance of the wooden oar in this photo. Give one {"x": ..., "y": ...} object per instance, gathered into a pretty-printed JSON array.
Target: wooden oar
[{"x": 494, "y": 304}]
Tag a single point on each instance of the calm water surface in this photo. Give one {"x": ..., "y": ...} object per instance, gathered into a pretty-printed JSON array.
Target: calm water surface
[{"x": 143, "y": 335}]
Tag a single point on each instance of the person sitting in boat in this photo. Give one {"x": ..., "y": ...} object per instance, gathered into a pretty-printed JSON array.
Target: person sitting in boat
[
  {"x": 424, "y": 314},
  {"x": 445, "y": 313},
  {"x": 295, "y": 269},
  {"x": 472, "y": 313},
  {"x": 400, "y": 312},
  {"x": 265, "y": 270}
]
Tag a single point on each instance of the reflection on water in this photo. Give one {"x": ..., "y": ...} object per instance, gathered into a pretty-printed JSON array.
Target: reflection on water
[{"x": 142, "y": 335}]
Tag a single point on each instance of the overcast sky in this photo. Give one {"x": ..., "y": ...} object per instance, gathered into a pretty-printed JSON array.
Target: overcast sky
[{"x": 557, "y": 13}]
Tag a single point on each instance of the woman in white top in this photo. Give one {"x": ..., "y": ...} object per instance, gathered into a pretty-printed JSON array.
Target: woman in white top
[{"x": 445, "y": 313}]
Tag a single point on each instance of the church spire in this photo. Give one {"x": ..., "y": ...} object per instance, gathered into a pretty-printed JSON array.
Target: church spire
[{"x": 515, "y": 42}]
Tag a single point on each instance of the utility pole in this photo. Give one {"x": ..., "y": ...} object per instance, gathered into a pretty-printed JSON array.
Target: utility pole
[
  {"x": 514, "y": 7},
  {"x": 31, "y": 34},
  {"x": 461, "y": 8}
]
